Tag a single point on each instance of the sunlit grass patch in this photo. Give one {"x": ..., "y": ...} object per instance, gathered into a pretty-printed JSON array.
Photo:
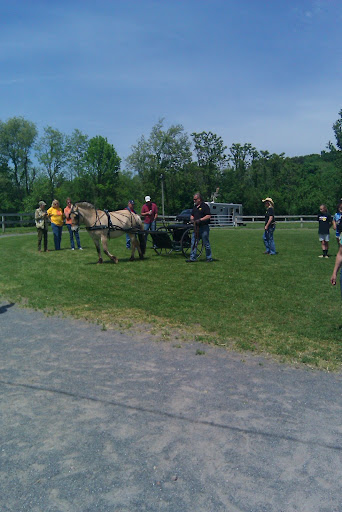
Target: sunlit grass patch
[{"x": 282, "y": 306}]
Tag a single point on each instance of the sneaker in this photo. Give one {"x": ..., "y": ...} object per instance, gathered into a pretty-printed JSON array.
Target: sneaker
[
  {"x": 80, "y": 248},
  {"x": 210, "y": 260},
  {"x": 326, "y": 256},
  {"x": 321, "y": 256},
  {"x": 190, "y": 261},
  {"x": 72, "y": 249}
]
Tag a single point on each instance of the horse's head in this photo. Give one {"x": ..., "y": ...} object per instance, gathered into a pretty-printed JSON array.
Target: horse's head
[{"x": 75, "y": 217}]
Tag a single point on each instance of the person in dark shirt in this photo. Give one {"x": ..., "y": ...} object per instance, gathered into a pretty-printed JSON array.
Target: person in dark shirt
[
  {"x": 324, "y": 223},
  {"x": 200, "y": 216},
  {"x": 269, "y": 227}
]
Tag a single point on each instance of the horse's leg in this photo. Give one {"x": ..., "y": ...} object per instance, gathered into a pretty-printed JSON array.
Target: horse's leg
[
  {"x": 98, "y": 248},
  {"x": 105, "y": 249},
  {"x": 133, "y": 245},
  {"x": 136, "y": 245}
]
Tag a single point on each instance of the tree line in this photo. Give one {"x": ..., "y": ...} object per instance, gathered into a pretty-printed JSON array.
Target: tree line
[{"x": 52, "y": 165}]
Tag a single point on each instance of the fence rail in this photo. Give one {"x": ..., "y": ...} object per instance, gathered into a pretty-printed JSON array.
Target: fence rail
[
  {"x": 27, "y": 219},
  {"x": 16, "y": 219}
]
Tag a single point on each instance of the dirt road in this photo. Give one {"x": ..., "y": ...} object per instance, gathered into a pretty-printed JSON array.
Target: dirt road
[{"x": 96, "y": 420}]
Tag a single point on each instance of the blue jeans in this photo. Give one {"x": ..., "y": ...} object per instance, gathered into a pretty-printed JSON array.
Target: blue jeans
[
  {"x": 57, "y": 235},
  {"x": 77, "y": 236},
  {"x": 268, "y": 240},
  {"x": 149, "y": 226},
  {"x": 204, "y": 235}
]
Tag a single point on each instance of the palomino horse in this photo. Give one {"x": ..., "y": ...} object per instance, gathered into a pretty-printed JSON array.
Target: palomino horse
[{"x": 102, "y": 225}]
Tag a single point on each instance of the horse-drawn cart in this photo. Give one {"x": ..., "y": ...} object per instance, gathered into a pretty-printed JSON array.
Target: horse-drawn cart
[{"x": 175, "y": 237}]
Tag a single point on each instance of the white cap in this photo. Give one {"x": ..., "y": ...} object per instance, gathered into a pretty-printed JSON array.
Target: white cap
[{"x": 147, "y": 199}]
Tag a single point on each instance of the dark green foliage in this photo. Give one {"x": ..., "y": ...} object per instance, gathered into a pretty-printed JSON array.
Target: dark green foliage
[{"x": 89, "y": 169}]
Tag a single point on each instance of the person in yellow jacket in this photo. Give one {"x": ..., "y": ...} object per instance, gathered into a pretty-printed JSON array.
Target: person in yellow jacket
[{"x": 56, "y": 216}]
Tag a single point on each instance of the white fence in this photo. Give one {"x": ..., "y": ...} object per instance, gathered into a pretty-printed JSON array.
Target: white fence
[
  {"x": 27, "y": 219},
  {"x": 242, "y": 220}
]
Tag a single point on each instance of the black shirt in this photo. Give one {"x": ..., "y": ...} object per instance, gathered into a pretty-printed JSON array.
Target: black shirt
[
  {"x": 269, "y": 213},
  {"x": 324, "y": 223},
  {"x": 200, "y": 211}
]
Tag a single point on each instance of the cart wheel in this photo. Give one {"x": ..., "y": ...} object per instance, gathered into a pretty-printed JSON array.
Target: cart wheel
[
  {"x": 162, "y": 250},
  {"x": 186, "y": 243}
]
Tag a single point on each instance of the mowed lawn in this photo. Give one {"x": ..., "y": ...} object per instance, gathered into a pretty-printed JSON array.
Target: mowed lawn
[{"x": 282, "y": 305}]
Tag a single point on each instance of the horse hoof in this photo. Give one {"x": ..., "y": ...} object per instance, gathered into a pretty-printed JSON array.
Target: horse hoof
[{"x": 99, "y": 262}]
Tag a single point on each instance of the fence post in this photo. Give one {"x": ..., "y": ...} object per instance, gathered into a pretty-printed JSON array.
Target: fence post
[{"x": 3, "y": 223}]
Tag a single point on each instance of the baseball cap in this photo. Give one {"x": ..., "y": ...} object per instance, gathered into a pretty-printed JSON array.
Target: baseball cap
[{"x": 147, "y": 199}]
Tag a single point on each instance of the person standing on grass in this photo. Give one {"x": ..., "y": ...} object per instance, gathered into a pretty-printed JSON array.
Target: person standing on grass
[
  {"x": 324, "y": 224},
  {"x": 338, "y": 265},
  {"x": 56, "y": 216},
  {"x": 269, "y": 227},
  {"x": 68, "y": 222},
  {"x": 41, "y": 219},
  {"x": 149, "y": 212},
  {"x": 130, "y": 208},
  {"x": 200, "y": 216},
  {"x": 337, "y": 223}
]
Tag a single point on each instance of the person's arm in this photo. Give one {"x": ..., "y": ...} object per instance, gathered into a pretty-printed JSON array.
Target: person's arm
[
  {"x": 206, "y": 217},
  {"x": 334, "y": 224},
  {"x": 270, "y": 220},
  {"x": 144, "y": 211},
  {"x": 338, "y": 263}
]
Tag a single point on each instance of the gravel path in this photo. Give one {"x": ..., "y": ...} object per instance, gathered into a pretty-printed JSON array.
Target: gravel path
[{"x": 96, "y": 420}]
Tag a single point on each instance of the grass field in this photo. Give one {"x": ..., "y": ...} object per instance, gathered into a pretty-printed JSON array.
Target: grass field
[{"x": 282, "y": 305}]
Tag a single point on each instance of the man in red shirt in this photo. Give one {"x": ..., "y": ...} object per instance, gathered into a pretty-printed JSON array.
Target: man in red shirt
[{"x": 149, "y": 212}]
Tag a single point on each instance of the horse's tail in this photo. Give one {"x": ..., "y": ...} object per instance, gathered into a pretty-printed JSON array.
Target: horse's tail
[{"x": 142, "y": 242}]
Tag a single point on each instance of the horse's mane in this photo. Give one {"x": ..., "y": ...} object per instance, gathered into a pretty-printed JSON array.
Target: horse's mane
[{"x": 85, "y": 204}]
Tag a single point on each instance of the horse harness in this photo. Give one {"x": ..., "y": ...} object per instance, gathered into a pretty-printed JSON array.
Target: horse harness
[{"x": 110, "y": 226}]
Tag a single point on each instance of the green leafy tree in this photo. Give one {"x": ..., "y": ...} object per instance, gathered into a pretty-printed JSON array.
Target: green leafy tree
[
  {"x": 165, "y": 153},
  {"x": 17, "y": 137},
  {"x": 102, "y": 171},
  {"x": 337, "y": 127},
  {"x": 77, "y": 145},
  {"x": 129, "y": 186},
  {"x": 52, "y": 156},
  {"x": 242, "y": 157},
  {"x": 211, "y": 159}
]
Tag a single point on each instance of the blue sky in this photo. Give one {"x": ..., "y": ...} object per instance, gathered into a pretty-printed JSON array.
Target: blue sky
[{"x": 264, "y": 72}]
